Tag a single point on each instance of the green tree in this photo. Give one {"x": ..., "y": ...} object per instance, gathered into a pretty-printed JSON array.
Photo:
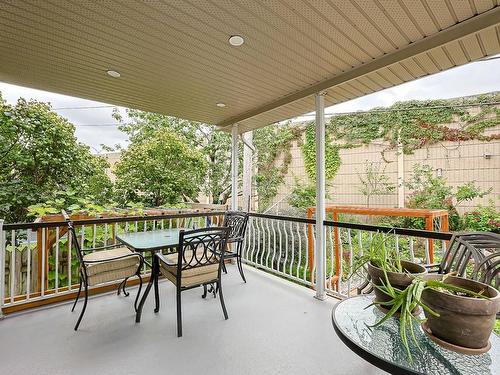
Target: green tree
[
  {"x": 374, "y": 182},
  {"x": 212, "y": 143},
  {"x": 159, "y": 170},
  {"x": 40, "y": 158}
]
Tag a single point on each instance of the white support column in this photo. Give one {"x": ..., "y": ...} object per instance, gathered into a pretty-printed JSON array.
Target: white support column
[
  {"x": 234, "y": 167},
  {"x": 320, "y": 244},
  {"x": 401, "y": 175},
  {"x": 247, "y": 170}
]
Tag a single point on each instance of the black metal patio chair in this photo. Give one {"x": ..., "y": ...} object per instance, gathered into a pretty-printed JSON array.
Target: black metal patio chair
[
  {"x": 472, "y": 255},
  {"x": 237, "y": 224},
  {"x": 197, "y": 262},
  {"x": 475, "y": 256},
  {"x": 103, "y": 265}
]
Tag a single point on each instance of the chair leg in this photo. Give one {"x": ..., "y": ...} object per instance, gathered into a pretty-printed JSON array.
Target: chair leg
[
  {"x": 77, "y": 295},
  {"x": 179, "y": 313},
  {"x": 84, "y": 307},
  {"x": 221, "y": 297},
  {"x": 122, "y": 286},
  {"x": 224, "y": 267},
  {"x": 157, "y": 293},
  {"x": 138, "y": 292},
  {"x": 240, "y": 268},
  {"x": 204, "y": 295}
]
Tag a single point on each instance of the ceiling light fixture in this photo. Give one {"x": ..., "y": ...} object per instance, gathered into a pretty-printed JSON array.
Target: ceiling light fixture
[
  {"x": 236, "y": 40},
  {"x": 113, "y": 73},
  {"x": 220, "y": 105}
]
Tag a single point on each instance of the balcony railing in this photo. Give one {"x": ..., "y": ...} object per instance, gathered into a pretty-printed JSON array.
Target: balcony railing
[
  {"x": 285, "y": 246},
  {"x": 38, "y": 263}
]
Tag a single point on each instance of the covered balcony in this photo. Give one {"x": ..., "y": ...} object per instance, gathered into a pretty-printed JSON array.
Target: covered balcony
[{"x": 241, "y": 66}]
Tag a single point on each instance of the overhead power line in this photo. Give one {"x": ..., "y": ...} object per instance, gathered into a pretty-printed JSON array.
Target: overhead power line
[
  {"x": 85, "y": 107},
  {"x": 358, "y": 113},
  {"x": 404, "y": 109},
  {"x": 95, "y": 125}
]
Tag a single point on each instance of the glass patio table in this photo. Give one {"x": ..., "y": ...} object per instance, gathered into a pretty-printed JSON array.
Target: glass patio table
[
  {"x": 151, "y": 241},
  {"x": 382, "y": 346}
]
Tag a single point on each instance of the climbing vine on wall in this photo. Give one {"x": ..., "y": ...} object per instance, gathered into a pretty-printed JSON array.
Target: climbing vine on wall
[
  {"x": 418, "y": 124},
  {"x": 271, "y": 142},
  {"x": 332, "y": 156}
]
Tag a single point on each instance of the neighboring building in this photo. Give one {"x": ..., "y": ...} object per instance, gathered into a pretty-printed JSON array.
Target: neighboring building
[{"x": 112, "y": 158}]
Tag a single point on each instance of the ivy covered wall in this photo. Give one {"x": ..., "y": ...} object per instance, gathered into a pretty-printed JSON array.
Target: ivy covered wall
[{"x": 450, "y": 135}]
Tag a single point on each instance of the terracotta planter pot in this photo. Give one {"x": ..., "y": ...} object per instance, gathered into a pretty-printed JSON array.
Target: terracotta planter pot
[
  {"x": 397, "y": 280},
  {"x": 462, "y": 321}
]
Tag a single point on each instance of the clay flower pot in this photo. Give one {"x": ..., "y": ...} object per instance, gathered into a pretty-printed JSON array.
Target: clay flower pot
[
  {"x": 463, "y": 321},
  {"x": 397, "y": 280}
]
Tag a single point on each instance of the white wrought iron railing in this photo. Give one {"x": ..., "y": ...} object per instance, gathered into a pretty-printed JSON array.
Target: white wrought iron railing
[
  {"x": 38, "y": 262},
  {"x": 285, "y": 246}
]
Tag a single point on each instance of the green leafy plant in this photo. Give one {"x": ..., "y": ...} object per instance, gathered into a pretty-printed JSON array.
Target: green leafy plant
[
  {"x": 483, "y": 218},
  {"x": 379, "y": 255},
  {"x": 273, "y": 158},
  {"x": 407, "y": 300},
  {"x": 40, "y": 155},
  {"x": 161, "y": 169},
  {"x": 430, "y": 191},
  {"x": 303, "y": 195}
]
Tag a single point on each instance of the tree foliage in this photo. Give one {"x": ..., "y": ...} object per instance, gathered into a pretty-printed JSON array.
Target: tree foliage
[
  {"x": 213, "y": 144},
  {"x": 159, "y": 170},
  {"x": 40, "y": 158}
]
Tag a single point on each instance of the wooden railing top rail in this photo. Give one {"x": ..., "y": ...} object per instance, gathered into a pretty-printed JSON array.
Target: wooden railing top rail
[{"x": 117, "y": 219}]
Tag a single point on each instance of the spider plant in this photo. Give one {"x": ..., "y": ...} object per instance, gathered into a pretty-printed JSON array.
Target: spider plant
[
  {"x": 405, "y": 301},
  {"x": 380, "y": 255}
]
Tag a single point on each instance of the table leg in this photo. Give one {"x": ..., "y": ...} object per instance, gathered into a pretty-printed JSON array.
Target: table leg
[
  {"x": 156, "y": 272},
  {"x": 144, "y": 297}
]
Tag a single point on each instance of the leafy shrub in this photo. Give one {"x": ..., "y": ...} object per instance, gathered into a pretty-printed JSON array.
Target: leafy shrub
[
  {"x": 483, "y": 219},
  {"x": 303, "y": 195}
]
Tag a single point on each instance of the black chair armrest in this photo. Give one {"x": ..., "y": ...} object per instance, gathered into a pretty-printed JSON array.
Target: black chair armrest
[
  {"x": 433, "y": 268},
  {"x": 162, "y": 258}
]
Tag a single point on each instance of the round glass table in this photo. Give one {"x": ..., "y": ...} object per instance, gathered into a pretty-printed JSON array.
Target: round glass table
[{"x": 382, "y": 345}]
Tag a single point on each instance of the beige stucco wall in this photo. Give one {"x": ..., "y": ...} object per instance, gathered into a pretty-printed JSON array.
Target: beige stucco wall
[{"x": 460, "y": 162}]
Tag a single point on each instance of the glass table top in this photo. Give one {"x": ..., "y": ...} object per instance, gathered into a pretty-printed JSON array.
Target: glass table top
[
  {"x": 152, "y": 240},
  {"x": 351, "y": 319}
]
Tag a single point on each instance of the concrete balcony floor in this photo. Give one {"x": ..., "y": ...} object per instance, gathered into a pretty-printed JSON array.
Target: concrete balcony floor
[{"x": 274, "y": 327}]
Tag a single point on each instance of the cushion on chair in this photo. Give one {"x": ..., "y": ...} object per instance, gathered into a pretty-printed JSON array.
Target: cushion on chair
[
  {"x": 113, "y": 265},
  {"x": 113, "y": 275},
  {"x": 189, "y": 277}
]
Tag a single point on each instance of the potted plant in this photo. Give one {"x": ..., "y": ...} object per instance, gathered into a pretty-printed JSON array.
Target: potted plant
[
  {"x": 464, "y": 319},
  {"x": 384, "y": 263},
  {"x": 460, "y": 313}
]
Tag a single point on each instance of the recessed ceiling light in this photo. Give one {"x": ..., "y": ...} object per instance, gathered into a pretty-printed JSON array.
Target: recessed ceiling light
[
  {"x": 236, "y": 40},
  {"x": 221, "y": 105},
  {"x": 113, "y": 73}
]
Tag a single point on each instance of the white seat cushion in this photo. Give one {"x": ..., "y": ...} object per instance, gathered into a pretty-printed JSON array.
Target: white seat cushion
[{"x": 105, "y": 266}]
